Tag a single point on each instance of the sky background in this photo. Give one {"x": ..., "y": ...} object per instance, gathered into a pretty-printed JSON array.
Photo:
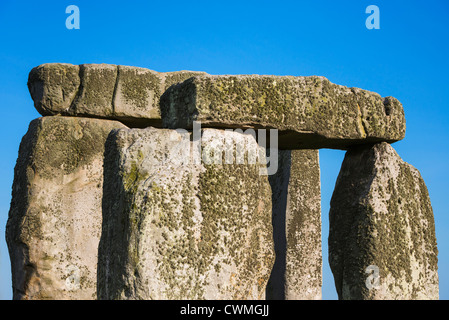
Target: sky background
[{"x": 406, "y": 58}]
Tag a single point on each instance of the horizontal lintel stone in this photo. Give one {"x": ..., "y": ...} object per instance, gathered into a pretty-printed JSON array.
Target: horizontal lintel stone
[
  {"x": 310, "y": 112},
  {"x": 128, "y": 94}
]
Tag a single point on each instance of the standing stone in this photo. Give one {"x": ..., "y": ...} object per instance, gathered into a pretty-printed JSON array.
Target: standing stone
[
  {"x": 382, "y": 241},
  {"x": 297, "y": 272},
  {"x": 54, "y": 223},
  {"x": 180, "y": 226}
]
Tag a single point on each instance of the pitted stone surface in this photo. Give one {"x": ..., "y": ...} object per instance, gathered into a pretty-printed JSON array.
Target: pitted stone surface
[
  {"x": 102, "y": 211},
  {"x": 175, "y": 228},
  {"x": 54, "y": 223},
  {"x": 311, "y": 112},
  {"x": 382, "y": 241},
  {"x": 53, "y": 87},
  {"x": 124, "y": 93}
]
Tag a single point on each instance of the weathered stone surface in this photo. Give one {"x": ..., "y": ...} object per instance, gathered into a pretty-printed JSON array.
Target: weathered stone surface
[
  {"x": 128, "y": 94},
  {"x": 297, "y": 272},
  {"x": 138, "y": 93},
  {"x": 54, "y": 223},
  {"x": 171, "y": 78},
  {"x": 175, "y": 228},
  {"x": 96, "y": 91},
  {"x": 53, "y": 86},
  {"x": 311, "y": 112},
  {"x": 381, "y": 220}
]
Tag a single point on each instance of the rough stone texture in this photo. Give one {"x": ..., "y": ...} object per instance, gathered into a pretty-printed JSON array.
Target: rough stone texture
[
  {"x": 171, "y": 78},
  {"x": 53, "y": 86},
  {"x": 172, "y": 229},
  {"x": 138, "y": 93},
  {"x": 311, "y": 112},
  {"x": 96, "y": 91},
  {"x": 128, "y": 94},
  {"x": 297, "y": 272},
  {"x": 177, "y": 229},
  {"x": 54, "y": 223},
  {"x": 381, "y": 216}
]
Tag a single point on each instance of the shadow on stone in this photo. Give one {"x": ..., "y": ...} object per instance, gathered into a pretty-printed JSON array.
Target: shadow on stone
[{"x": 279, "y": 186}]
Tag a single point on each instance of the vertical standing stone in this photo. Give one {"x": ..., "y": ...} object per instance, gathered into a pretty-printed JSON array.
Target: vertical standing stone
[
  {"x": 54, "y": 223},
  {"x": 382, "y": 241},
  {"x": 297, "y": 227},
  {"x": 175, "y": 228}
]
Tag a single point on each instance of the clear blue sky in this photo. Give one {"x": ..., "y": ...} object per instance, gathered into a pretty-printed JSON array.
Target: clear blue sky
[{"x": 406, "y": 58}]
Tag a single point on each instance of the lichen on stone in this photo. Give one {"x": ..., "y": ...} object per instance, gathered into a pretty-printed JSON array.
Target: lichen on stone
[
  {"x": 387, "y": 222},
  {"x": 188, "y": 231}
]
